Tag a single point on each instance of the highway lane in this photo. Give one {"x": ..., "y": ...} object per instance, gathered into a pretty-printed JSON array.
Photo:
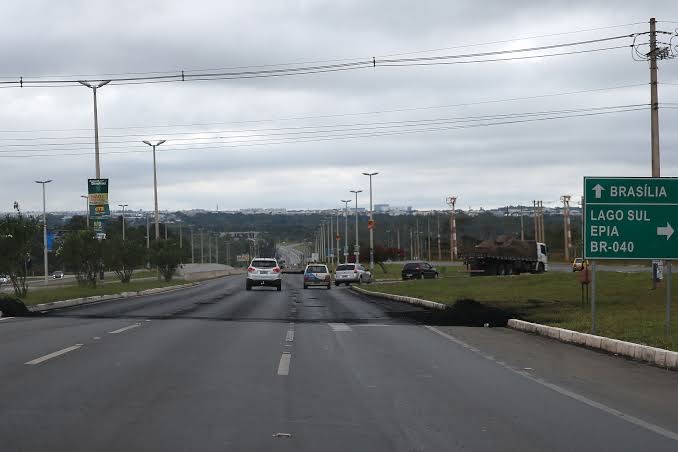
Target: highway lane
[{"x": 217, "y": 368}]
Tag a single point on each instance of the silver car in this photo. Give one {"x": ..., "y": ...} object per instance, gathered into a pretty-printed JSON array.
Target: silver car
[
  {"x": 351, "y": 273},
  {"x": 264, "y": 272}
]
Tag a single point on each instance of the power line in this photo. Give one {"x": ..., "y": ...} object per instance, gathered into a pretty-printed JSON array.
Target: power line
[
  {"x": 315, "y": 129},
  {"x": 303, "y": 70},
  {"x": 249, "y": 143},
  {"x": 337, "y": 115}
]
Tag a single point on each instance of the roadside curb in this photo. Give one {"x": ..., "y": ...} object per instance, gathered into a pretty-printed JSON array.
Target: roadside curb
[
  {"x": 44, "y": 307},
  {"x": 403, "y": 299},
  {"x": 656, "y": 356}
]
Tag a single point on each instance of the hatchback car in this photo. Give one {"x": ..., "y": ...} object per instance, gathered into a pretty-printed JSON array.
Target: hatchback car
[
  {"x": 351, "y": 273},
  {"x": 418, "y": 270},
  {"x": 264, "y": 272},
  {"x": 317, "y": 275},
  {"x": 58, "y": 274}
]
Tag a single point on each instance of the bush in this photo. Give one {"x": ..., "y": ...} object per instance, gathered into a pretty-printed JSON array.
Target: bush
[{"x": 166, "y": 255}]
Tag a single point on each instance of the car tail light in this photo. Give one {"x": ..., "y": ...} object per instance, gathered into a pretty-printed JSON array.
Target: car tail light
[
  {"x": 251, "y": 269},
  {"x": 276, "y": 270}
]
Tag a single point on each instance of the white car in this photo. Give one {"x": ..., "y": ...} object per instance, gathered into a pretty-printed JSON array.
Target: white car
[
  {"x": 317, "y": 275},
  {"x": 4, "y": 279},
  {"x": 351, "y": 273},
  {"x": 264, "y": 272}
]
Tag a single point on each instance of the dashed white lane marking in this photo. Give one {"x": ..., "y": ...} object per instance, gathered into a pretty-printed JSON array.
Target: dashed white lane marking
[
  {"x": 372, "y": 324},
  {"x": 6, "y": 318},
  {"x": 63, "y": 351},
  {"x": 566, "y": 392},
  {"x": 125, "y": 328},
  {"x": 289, "y": 337},
  {"x": 284, "y": 365},
  {"x": 339, "y": 327}
]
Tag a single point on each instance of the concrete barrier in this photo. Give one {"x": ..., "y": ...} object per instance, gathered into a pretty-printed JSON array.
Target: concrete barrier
[
  {"x": 656, "y": 356},
  {"x": 401, "y": 298}
]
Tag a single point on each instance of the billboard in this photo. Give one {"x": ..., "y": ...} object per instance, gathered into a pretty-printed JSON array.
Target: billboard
[{"x": 97, "y": 198}]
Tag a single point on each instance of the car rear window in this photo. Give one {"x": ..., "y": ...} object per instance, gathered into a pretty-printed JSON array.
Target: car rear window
[
  {"x": 263, "y": 264},
  {"x": 411, "y": 266},
  {"x": 345, "y": 267},
  {"x": 316, "y": 269}
]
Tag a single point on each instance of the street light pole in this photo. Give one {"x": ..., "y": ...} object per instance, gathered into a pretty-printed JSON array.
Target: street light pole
[
  {"x": 96, "y": 120},
  {"x": 346, "y": 201},
  {"x": 155, "y": 188},
  {"x": 86, "y": 209},
  {"x": 123, "y": 220},
  {"x": 44, "y": 223},
  {"x": 356, "y": 250},
  {"x": 371, "y": 222}
]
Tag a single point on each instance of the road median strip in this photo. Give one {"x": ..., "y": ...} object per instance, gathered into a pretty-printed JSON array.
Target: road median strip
[{"x": 644, "y": 353}]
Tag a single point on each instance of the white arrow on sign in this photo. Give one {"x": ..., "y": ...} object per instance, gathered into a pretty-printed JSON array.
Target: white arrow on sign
[
  {"x": 598, "y": 188},
  {"x": 665, "y": 230}
]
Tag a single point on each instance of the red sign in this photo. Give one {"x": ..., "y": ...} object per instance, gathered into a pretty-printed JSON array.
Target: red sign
[{"x": 370, "y": 224}]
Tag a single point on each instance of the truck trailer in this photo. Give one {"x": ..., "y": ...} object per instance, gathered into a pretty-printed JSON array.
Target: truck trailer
[{"x": 506, "y": 255}]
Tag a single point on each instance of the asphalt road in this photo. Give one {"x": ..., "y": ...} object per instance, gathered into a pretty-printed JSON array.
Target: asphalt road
[{"x": 216, "y": 368}]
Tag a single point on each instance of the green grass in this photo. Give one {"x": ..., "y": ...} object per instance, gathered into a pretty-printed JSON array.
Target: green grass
[
  {"x": 67, "y": 293},
  {"x": 626, "y": 306}
]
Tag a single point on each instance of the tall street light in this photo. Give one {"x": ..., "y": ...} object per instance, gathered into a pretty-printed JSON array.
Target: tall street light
[
  {"x": 356, "y": 250},
  {"x": 44, "y": 223},
  {"x": 86, "y": 209},
  {"x": 155, "y": 188},
  {"x": 346, "y": 201},
  {"x": 371, "y": 222},
  {"x": 96, "y": 120},
  {"x": 123, "y": 220}
]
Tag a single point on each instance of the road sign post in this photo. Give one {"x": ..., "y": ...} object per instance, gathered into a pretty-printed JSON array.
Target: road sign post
[{"x": 630, "y": 218}]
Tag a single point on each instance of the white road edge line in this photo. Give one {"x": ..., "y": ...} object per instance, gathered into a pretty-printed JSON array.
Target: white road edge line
[
  {"x": 6, "y": 318},
  {"x": 339, "y": 327},
  {"x": 63, "y": 351},
  {"x": 125, "y": 328},
  {"x": 573, "y": 395},
  {"x": 290, "y": 336},
  {"x": 284, "y": 365}
]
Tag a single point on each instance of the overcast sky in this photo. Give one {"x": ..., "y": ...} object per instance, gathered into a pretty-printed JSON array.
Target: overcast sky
[{"x": 320, "y": 159}]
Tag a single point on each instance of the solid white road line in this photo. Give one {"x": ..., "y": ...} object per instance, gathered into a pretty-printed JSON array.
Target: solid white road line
[
  {"x": 53, "y": 355},
  {"x": 125, "y": 328},
  {"x": 290, "y": 336},
  {"x": 339, "y": 327},
  {"x": 566, "y": 392},
  {"x": 6, "y": 318},
  {"x": 284, "y": 365}
]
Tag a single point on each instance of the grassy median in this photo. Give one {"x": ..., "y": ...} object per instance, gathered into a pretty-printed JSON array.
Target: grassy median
[
  {"x": 627, "y": 307},
  {"x": 69, "y": 292}
]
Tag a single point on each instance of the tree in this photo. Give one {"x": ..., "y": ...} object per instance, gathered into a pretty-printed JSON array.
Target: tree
[
  {"x": 123, "y": 256},
  {"x": 18, "y": 235},
  {"x": 82, "y": 253},
  {"x": 166, "y": 255}
]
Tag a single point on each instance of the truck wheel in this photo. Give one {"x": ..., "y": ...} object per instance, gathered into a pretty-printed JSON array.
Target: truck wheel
[
  {"x": 540, "y": 268},
  {"x": 501, "y": 270}
]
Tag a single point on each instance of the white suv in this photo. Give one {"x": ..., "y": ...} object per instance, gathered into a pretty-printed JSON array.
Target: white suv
[
  {"x": 264, "y": 272},
  {"x": 351, "y": 273},
  {"x": 317, "y": 275}
]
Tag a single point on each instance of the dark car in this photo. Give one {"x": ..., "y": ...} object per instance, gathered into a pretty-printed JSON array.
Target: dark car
[{"x": 419, "y": 270}]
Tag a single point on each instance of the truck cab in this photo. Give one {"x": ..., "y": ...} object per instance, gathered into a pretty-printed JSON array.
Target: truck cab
[{"x": 542, "y": 258}]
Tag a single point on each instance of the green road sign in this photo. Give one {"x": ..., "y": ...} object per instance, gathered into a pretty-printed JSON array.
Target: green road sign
[{"x": 630, "y": 218}]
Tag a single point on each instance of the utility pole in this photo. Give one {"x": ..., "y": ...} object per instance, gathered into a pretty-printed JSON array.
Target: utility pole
[
  {"x": 123, "y": 220},
  {"x": 192, "y": 247},
  {"x": 44, "y": 224},
  {"x": 522, "y": 224},
  {"x": 216, "y": 249},
  {"x": 567, "y": 236},
  {"x": 654, "y": 99},
  {"x": 346, "y": 201},
  {"x": 428, "y": 234},
  {"x": 96, "y": 121},
  {"x": 371, "y": 222},
  {"x": 155, "y": 187},
  {"x": 209, "y": 247},
  {"x": 357, "y": 243},
  {"x": 411, "y": 249},
  {"x": 202, "y": 248},
  {"x": 440, "y": 254},
  {"x": 536, "y": 223},
  {"x": 148, "y": 232},
  {"x": 417, "y": 237},
  {"x": 452, "y": 201},
  {"x": 338, "y": 238},
  {"x": 398, "y": 236}
]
